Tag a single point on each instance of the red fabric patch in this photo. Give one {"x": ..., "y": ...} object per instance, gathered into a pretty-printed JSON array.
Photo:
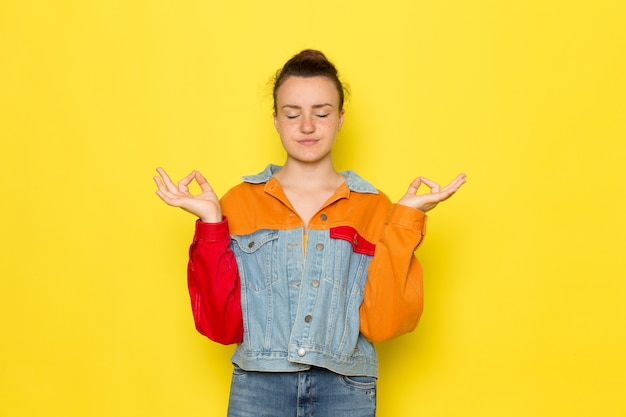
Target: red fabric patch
[{"x": 349, "y": 234}]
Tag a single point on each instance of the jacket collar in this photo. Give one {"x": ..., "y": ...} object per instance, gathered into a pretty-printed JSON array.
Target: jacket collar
[{"x": 353, "y": 181}]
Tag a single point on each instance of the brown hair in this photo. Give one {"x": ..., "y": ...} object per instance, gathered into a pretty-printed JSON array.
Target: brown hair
[{"x": 310, "y": 63}]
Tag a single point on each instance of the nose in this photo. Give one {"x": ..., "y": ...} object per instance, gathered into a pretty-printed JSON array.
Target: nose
[{"x": 307, "y": 125}]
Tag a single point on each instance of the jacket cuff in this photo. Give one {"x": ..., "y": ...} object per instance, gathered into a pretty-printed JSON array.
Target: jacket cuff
[
  {"x": 212, "y": 232},
  {"x": 407, "y": 217}
]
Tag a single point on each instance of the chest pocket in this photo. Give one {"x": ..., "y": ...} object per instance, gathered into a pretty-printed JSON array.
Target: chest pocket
[
  {"x": 352, "y": 255},
  {"x": 257, "y": 255}
]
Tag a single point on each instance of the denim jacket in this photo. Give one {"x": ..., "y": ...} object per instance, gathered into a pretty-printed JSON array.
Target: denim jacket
[{"x": 357, "y": 280}]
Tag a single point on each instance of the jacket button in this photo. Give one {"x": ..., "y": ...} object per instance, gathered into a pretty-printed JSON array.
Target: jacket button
[
  {"x": 319, "y": 246},
  {"x": 301, "y": 352},
  {"x": 251, "y": 244},
  {"x": 315, "y": 283},
  {"x": 308, "y": 318},
  {"x": 323, "y": 217}
]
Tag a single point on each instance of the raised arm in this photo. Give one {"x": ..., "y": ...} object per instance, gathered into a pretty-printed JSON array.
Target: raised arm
[
  {"x": 212, "y": 275},
  {"x": 393, "y": 300}
]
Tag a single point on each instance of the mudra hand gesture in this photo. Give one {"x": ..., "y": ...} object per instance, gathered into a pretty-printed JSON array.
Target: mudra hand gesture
[
  {"x": 205, "y": 205},
  {"x": 426, "y": 202}
]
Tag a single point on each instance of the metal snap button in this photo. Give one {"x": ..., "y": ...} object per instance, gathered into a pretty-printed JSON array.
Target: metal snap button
[{"x": 301, "y": 352}]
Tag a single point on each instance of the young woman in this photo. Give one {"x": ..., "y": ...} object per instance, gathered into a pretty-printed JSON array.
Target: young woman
[{"x": 302, "y": 266}]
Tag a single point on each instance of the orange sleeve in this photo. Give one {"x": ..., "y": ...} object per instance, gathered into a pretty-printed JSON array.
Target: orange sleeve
[{"x": 394, "y": 296}]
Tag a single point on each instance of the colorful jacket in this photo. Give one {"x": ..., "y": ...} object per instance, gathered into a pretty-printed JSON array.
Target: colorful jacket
[{"x": 251, "y": 282}]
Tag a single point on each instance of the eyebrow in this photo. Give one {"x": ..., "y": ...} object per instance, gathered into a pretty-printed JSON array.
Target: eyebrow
[{"x": 315, "y": 106}]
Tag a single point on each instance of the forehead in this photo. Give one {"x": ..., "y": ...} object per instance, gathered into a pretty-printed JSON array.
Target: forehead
[{"x": 307, "y": 91}]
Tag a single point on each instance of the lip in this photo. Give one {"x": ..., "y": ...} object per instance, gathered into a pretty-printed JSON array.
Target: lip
[{"x": 308, "y": 141}]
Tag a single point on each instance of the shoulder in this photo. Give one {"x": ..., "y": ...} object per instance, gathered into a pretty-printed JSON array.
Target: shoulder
[
  {"x": 363, "y": 190},
  {"x": 252, "y": 184},
  {"x": 356, "y": 183},
  {"x": 241, "y": 191}
]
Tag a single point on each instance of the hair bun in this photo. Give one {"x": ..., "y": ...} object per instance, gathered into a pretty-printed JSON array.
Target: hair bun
[
  {"x": 311, "y": 54},
  {"x": 309, "y": 63}
]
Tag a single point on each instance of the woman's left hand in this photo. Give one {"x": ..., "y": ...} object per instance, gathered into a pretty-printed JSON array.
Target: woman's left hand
[{"x": 426, "y": 202}]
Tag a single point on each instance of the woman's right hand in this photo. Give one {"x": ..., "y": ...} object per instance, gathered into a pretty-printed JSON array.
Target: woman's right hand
[{"x": 205, "y": 205}]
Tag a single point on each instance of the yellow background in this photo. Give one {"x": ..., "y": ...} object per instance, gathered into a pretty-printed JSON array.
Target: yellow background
[{"x": 525, "y": 266}]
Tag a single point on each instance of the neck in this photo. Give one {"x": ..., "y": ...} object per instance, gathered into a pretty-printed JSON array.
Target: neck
[{"x": 308, "y": 175}]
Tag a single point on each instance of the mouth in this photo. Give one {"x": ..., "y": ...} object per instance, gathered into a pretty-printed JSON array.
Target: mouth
[{"x": 308, "y": 141}]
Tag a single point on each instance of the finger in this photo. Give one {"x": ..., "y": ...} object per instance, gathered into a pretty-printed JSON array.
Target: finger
[
  {"x": 158, "y": 182},
  {"x": 183, "y": 185},
  {"x": 450, "y": 189},
  {"x": 434, "y": 187},
  {"x": 161, "y": 187},
  {"x": 166, "y": 197},
  {"x": 456, "y": 183},
  {"x": 414, "y": 186},
  {"x": 460, "y": 179},
  {"x": 166, "y": 181},
  {"x": 165, "y": 188},
  {"x": 203, "y": 183}
]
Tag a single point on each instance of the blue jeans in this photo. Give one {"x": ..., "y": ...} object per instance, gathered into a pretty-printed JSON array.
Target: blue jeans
[{"x": 316, "y": 392}]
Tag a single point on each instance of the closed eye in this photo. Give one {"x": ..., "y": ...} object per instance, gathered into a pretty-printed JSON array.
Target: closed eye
[{"x": 322, "y": 115}]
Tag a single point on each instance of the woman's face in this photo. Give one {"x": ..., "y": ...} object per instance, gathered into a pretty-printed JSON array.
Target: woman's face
[{"x": 308, "y": 117}]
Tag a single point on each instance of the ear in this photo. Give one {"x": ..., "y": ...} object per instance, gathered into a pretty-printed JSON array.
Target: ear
[
  {"x": 340, "y": 123},
  {"x": 275, "y": 120}
]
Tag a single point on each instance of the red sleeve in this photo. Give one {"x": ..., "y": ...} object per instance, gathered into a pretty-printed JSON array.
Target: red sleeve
[{"x": 213, "y": 281}]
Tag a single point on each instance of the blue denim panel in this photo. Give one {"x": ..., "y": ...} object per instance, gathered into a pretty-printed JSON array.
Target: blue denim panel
[
  {"x": 314, "y": 393},
  {"x": 300, "y": 312}
]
